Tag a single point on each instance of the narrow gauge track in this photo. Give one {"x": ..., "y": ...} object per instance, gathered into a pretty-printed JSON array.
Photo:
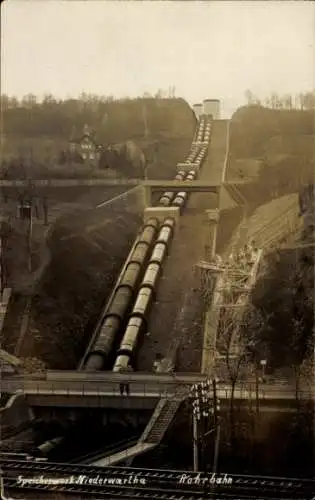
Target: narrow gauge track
[
  {"x": 112, "y": 323},
  {"x": 295, "y": 488}
]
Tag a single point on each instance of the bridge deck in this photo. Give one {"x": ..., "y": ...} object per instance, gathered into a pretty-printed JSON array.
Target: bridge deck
[
  {"x": 94, "y": 390},
  {"x": 173, "y": 185},
  {"x": 110, "y": 377}
]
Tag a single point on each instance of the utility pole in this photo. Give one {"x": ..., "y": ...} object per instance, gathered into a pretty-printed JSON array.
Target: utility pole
[
  {"x": 195, "y": 442},
  {"x": 216, "y": 408},
  {"x": 195, "y": 419},
  {"x": 257, "y": 388},
  {"x": 205, "y": 405},
  {"x": 29, "y": 214}
]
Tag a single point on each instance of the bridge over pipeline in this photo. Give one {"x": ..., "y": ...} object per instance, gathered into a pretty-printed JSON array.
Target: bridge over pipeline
[
  {"x": 149, "y": 185},
  {"x": 161, "y": 393},
  {"x": 101, "y": 390}
]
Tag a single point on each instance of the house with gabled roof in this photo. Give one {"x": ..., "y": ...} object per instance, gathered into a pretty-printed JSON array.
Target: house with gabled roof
[{"x": 86, "y": 145}]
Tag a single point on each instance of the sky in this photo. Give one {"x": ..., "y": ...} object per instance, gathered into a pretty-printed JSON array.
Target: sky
[{"x": 208, "y": 49}]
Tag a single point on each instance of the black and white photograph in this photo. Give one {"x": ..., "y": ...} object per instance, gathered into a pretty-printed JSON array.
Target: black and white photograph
[{"x": 157, "y": 164}]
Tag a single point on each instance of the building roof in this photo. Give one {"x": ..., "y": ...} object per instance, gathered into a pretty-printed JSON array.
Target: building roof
[{"x": 78, "y": 140}]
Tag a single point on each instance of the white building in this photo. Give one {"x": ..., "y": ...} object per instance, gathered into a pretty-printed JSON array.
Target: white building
[
  {"x": 212, "y": 107},
  {"x": 198, "y": 110}
]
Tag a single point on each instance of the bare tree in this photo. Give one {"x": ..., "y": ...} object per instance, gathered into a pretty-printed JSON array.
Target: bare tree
[
  {"x": 242, "y": 358},
  {"x": 236, "y": 362},
  {"x": 309, "y": 100},
  {"x": 237, "y": 366},
  {"x": 49, "y": 99},
  {"x": 249, "y": 97},
  {"x": 303, "y": 367},
  {"x": 4, "y": 101},
  {"x": 29, "y": 101},
  {"x": 171, "y": 91},
  {"x": 159, "y": 94},
  {"x": 274, "y": 100},
  {"x": 301, "y": 100},
  {"x": 288, "y": 101},
  {"x": 267, "y": 102},
  {"x": 307, "y": 371}
]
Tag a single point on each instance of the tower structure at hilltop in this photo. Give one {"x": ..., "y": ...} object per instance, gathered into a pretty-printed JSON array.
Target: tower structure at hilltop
[
  {"x": 208, "y": 107},
  {"x": 212, "y": 107},
  {"x": 198, "y": 110}
]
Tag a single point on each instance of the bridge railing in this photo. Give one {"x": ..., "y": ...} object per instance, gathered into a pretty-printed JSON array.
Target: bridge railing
[
  {"x": 156, "y": 390},
  {"x": 92, "y": 387},
  {"x": 110, "y": 377},
  {"x": 84, "y": 389}
]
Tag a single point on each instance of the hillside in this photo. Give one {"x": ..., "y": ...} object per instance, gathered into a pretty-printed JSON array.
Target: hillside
[
  {"x": 86, "y": 249},
  {"x": 253, "y": 126},
  {"x": 275, "y": 151},
  {"x": 279, "y": 321},
  {"x": 274, "y": 148},
  {"x": 267, "y": 223},
  {"x": 113, "y": 121},
  {"x": 35, "y": 135}
]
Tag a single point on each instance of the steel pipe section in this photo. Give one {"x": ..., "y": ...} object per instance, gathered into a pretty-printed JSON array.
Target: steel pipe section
[
  {"x": 126, "y": 355},
  {"x": 114, "y": 316},
  {"x": 127, "y": 352},
  {"x": 181, "y": 198},
  {"x": 168, "y": 197}
]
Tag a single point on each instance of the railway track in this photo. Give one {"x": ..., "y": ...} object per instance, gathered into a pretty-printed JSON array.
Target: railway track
[
  {"x": 160, "y": 490},
  {"x": 80, "y": 479},
  {"x": 115, "y": 482},
  {"x": 157, "y": 492}
]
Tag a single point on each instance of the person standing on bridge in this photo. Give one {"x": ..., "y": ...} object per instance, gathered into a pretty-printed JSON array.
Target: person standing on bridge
[{"x": 124, "y": 386}]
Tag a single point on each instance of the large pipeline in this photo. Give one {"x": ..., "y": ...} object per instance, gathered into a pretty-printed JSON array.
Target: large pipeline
[
  {"x": 113, "y": 317},
  {"x": 137, "y": 323}
]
